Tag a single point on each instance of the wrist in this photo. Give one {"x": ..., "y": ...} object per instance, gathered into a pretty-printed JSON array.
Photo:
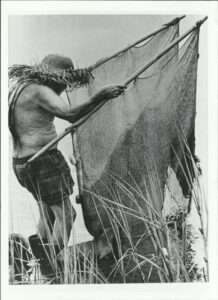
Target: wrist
[{"x": 101, "y": 95}]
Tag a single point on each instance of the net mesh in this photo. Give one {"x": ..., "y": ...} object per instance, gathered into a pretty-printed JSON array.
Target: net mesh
[{"x": 127, "y": 146}]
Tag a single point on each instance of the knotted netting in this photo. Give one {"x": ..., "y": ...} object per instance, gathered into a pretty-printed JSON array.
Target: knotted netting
[{"x": 127, "y": 146}]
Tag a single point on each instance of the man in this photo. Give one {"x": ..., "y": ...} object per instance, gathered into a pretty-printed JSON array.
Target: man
[{"x": 33, "y": 104}]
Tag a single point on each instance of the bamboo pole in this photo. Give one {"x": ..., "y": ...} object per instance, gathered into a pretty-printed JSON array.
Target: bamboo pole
[
  {"x": 103, "y": 60},
  {"x": 126, "y": 82},
  {"x": 158, "y": 56},
  {"x": 72, "y": 132},
  {"x": 78, "y": 168},
  {"x": 67, "y": 130},
  {"x": 52, "y": 143},
  {"x": 100, "y": 62},
  {"x": 78, "y": 164}
]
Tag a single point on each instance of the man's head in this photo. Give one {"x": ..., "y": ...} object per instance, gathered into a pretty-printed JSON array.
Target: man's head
[{"x": 58, "y": 64}]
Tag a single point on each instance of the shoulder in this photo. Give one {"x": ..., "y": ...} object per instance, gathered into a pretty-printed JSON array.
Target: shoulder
[
  {"x": 39, "y": 89},
  {"x": 41, "y": 92}
]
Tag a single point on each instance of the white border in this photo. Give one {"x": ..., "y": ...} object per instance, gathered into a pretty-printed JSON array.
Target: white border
[{"x": 192, "y": 291}]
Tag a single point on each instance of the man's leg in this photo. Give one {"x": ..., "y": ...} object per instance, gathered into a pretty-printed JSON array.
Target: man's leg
[
  {"x": 46, "y": 220},
  {"x": 39, "y": 242},
  {"x": 65, "y": 215}
]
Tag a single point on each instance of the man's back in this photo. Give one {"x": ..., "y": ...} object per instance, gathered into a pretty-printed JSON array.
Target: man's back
[{"x": 33, "y": 124}]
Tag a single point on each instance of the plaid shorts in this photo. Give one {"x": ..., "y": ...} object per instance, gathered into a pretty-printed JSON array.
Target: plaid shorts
[{"x": 48, "y": 178}]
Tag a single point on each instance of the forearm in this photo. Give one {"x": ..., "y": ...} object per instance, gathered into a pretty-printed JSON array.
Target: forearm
[
  {"x": 51, "y": 102},
  {"x": 84, "y": 109}
]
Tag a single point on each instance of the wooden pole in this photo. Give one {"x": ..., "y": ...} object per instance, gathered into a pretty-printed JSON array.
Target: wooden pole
[
  {"x": 67, "y": 130},
  {"x": 78, "y": 164},
  {"x": 52, "y": 143},
  {"x": 158, "y": 56},
  {"x": 78, "y": 168},
  {"x": 103, "y": 60},
  {"x": 126, "y": 82}
]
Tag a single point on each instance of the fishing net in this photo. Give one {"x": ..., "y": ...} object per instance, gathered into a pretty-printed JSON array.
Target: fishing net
[{"x": 127, "y": 146}]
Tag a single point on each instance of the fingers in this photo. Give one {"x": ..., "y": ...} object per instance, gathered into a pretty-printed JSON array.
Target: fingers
[
  {"x": 117, "y": 93},
  {"x": 122, "y": 86},
  {"x": 114, "y": 91},
  {"x": 119, "y": 89}
]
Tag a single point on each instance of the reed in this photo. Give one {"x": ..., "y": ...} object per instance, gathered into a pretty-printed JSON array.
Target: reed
[{"x": 171, "y": 237}]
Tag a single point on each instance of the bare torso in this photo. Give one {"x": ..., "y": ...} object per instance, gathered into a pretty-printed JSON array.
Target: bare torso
[
  {"x": 33, "y": 125},
  {"x": 36, "y": 108}
]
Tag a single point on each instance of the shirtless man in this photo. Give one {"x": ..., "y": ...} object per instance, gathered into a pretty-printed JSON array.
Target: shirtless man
[{"x": 48, "y": 178}]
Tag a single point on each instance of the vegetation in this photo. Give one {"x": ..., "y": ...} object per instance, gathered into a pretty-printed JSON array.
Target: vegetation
[{"x": 172, "y": 237}]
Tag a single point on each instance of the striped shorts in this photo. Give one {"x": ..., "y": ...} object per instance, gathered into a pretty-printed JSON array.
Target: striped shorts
[{"x": 48, "y": 178}]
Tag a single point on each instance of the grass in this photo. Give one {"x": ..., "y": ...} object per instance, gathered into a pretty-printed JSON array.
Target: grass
[{"x": 170, "y": 236}]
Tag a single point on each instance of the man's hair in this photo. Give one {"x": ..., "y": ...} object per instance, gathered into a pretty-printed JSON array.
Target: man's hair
[
  {"x": 56, "y": 71},
  {"x": 56, "y": 63}
]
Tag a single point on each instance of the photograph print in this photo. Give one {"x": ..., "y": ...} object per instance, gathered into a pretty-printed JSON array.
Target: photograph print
[{"x": 107, "y": 119}]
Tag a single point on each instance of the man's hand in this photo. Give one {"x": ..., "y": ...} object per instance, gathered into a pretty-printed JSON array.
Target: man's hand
[
  {"x": 51, "y": 102},
  {"x": 111, "y": 91}
]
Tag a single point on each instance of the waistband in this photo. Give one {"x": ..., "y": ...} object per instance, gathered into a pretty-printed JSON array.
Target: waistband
[{"x": 23, "y": 160}]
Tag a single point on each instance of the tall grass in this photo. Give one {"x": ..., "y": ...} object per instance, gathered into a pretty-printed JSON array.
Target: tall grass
[{"x": 171, "y": 238}]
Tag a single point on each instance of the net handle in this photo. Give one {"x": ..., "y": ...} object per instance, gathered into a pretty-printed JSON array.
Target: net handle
[
  {"x": 103, "y": 60},
  {"x": 73, "y": 127},
  {"x": 163, "y": 52}
]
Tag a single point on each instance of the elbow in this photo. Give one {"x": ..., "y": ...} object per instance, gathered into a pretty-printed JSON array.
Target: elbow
[
  {"x": 72, "y": 118},
  {"x": 67, "y": 115}
]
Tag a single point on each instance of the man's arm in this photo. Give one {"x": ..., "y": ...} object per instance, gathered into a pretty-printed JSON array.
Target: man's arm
[{"x": 53, "y": 103}]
